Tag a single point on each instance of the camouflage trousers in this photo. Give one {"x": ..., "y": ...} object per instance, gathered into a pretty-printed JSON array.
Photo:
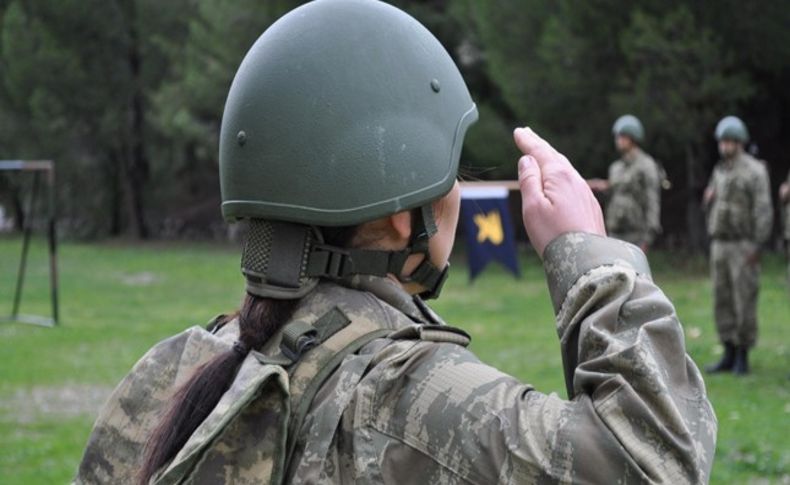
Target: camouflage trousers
[{"x": 736, "y": 284}]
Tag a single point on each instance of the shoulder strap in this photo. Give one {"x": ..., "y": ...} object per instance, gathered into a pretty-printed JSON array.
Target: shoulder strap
[
  {"x": 335, "y": 340},
  {"x": 316, "y": 351},
  {"x": 272, "y": 395}
]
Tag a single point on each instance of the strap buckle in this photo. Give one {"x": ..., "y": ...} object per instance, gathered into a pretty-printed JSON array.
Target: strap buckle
[
  {"x": 298, "y": 337},
  {"x": 330, "y": 262},
  {"x": 431, "y": 278}
]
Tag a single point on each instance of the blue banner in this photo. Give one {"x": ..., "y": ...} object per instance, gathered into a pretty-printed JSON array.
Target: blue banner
[{"x": 488, "y": 229}]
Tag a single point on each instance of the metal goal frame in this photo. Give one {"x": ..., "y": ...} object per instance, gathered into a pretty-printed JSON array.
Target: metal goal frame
[{"x": 39, "y": 169}]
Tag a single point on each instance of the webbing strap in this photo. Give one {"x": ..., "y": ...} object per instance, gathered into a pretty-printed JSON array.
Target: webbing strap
[
  {"x": 335, "y": 340},
  {"x": 325, "y": 417},
  {"x": 327, "y": 261},
  {"x": 433, "y": 333},
  {"x": 306, "y": 398},
  {"x": 423, "y": 227},
  {"x": 336, "y": 263},
  {"x": 431, "y": 278},
  {"x": 300, "y": 336},
  {"x": 331, "y": 323}
]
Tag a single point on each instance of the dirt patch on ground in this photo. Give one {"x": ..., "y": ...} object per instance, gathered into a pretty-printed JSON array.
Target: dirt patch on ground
[
  {"x": 28, "y": 405},
  {"x": 144, "y": 278}
]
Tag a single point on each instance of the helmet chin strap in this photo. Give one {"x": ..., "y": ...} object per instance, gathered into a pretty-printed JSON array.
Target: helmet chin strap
[
  {"x": 337, "y": 263},
  {"x": 423, "y": 227},
  {"x": 286, "y": 260}
]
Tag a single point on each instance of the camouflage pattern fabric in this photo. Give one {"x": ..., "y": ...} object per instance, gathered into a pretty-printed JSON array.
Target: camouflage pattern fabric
[
  {"x": 736, "y": 283},
  {"x": 741, "y": 208},
  {"x": 422, "y": 411},
  {"x": 115, "y": 446},
  {"x": 241, "y": 439},
  {"x": 222, "y": 449},
  {"x": 740, "y": 218},
  {"x": 633, "y": 213}
]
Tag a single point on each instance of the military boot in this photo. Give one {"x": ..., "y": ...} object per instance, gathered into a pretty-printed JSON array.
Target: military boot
[
  {"x": 727, "y": 360},
  {"x": 741, "y": 365}
]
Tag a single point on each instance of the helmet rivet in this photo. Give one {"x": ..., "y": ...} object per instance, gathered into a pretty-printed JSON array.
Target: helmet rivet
[
  {"x": 241, "y": 138},
  {"x": 435, "y": 85}
]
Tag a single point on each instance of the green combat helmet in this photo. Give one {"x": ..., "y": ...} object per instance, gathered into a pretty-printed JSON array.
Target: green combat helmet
[
  {"x": 630, "y": 126},
  {"x": 342, "y": 112},
  {"x": 732, "y": 128}
]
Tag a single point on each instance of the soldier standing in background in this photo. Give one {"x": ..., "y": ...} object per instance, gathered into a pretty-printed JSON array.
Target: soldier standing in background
[
  {"x": 633, "y": 213},
  {"x": 740, "y": 216}
]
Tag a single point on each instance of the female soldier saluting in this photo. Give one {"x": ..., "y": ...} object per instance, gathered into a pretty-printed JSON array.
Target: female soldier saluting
[{"x": 340, "y": 145}]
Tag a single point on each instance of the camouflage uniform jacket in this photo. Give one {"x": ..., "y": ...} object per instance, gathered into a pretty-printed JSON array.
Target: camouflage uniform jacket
[
  {"x": 634, "y": 209},
  {"x": 741, "y": 208},
  {"x": 416, "y": 411}
]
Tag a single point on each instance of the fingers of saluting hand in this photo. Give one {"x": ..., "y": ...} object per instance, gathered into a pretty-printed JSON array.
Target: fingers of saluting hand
[
  {"x": 555, "y": 198},
  {"x": 530, "y": 180},
  {"x": 531, "y": 144},
  {"x": 544, "y": 172}
]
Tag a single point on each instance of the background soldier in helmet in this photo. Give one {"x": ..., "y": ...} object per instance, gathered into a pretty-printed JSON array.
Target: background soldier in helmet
[
  {"x": 633, "y": 212},
  {"x": 740, "y": 216},
  {"x": 335, "y": 370}
]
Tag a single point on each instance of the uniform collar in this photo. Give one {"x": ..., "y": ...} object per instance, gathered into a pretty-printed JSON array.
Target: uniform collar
[
  {"x": 738, "y": 159},
  {"x": 393, "y": 294},
  {"x": 632, "y": 155}
]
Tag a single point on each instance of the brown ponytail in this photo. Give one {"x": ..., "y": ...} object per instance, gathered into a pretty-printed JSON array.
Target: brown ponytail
[{"x": 259, "y": 319}]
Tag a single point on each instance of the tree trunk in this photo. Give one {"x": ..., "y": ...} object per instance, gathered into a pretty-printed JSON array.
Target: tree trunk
[
  {"x": 115, "y": 178},
  {"x": 695, "y": 217},
  {"x": 137, "y": 163}
]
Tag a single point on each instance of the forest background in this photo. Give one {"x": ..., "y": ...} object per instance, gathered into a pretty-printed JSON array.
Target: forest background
[{"x": 127, "y": 95}]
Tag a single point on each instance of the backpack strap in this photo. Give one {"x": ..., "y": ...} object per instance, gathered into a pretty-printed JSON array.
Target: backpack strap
[
  {"x": 270, "y": 397},
  {"x": 335, "y": 340}
]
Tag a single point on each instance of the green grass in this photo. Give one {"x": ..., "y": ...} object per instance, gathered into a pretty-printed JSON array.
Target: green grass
[{"x": 117, "y": 300}]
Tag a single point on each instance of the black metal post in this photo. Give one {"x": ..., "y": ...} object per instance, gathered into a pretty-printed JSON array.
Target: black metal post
[
  {"x": 53, "y": 244},
  {"x": 20, "y": 280}
]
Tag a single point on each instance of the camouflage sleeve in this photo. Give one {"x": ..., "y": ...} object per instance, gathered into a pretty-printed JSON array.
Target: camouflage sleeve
[
  {"x": 638, "y": 412},
  {"x": 624, "y": 356},
  {"x": 711, "y": 183},
  {"x": 611, "y": 174},
  {"x": 762, "y": 209},
  {"x": 652, "y": 201}
]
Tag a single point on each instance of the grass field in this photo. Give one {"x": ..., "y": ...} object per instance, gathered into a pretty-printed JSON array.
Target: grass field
[{"x": 117, "y": 300}]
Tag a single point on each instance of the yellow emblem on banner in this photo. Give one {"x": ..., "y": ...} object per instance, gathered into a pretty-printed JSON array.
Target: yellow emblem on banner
[{"x": 489, "y": 226}]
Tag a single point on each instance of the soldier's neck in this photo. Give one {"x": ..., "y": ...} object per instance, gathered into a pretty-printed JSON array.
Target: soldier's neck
[
  {"x": 729, "y": 161},
  {"x": 631, "y": 154}
]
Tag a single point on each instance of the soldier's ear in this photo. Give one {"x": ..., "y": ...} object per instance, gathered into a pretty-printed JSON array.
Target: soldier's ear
[{"x": 400, "y": 224}]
